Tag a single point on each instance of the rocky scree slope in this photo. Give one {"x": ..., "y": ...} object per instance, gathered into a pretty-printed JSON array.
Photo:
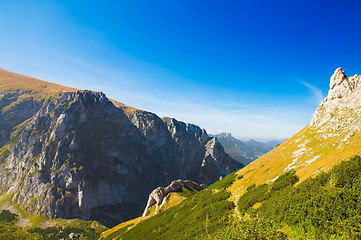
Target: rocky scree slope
[
  {"x": 333, "y": 135},
  {"x": 76, "y": 154}
]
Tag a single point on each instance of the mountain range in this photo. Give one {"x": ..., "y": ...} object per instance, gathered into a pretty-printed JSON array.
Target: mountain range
[
  {"x": 308, "y": 187},
  {"x": 245, "y": 151},
  {"x": 68, "y": 153}
]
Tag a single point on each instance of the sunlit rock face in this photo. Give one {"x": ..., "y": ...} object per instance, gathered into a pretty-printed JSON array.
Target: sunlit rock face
[
  {"x": 77, "y": 155},
  {"x": 340, "y": 111},
  {"x": 158, "y": 196}
]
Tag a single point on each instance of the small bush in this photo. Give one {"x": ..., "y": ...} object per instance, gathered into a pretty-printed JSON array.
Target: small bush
[
  {"x": 252, "y": 196},
  {"x": 7, "y": 216},
  {"x": 225, "y": 182},
  {"x": 287, "y": 179}
]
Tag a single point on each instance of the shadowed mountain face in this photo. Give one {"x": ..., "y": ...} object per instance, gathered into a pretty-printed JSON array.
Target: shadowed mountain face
[
  {"x": 76, "y": 154},
  {"x": 245, "y": 152}
]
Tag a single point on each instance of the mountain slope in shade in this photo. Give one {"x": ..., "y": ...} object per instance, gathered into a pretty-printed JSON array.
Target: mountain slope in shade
[
  {"x": 245, "y": 152},
  {"x": 76, "y": 154}
]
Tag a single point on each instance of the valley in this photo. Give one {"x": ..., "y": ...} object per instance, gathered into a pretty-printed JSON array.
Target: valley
[
  {"x": 305, "y": 188},
  {"x": 69, "y": 153}
]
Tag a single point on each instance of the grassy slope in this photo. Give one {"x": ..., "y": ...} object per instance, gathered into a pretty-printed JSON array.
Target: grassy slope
[
  {"x": 319, "y": 155},
  {"x": 195, "y": 218},
  {"x": 35, "y": 227},
  {"x": 11, "y": 82},
  {"x": 16, "y": 82},
  {"x": 123, "y": 226},
  {"x": 187, "y": 203},
  {"x": 171, "y": 200}
]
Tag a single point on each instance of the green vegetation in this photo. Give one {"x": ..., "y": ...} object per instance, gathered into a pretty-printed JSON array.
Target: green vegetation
[
  {"x": 285, "y": 180},
  {"x": 37, "y": 227},
  {"x": 187, "y": 191},
  {"x": 197, "y": 217},
  {"x": 252, "y": 196},
  {"x": 63, "y": 230},
  {"x": 250, "y": 229},
  {"x": 7, "y": 216},
  {"x": 9, "y": 232},
  {"x": 225, "y": 182},
  {"x": 327, "y": 206},
  {"x": 50, "y": 233}
]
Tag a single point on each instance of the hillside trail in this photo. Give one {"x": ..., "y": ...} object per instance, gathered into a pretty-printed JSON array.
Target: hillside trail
[{"x": 235, "y": 200}]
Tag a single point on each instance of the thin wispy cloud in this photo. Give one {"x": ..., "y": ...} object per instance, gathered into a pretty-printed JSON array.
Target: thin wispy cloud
[{"x": 315, "y": 91}]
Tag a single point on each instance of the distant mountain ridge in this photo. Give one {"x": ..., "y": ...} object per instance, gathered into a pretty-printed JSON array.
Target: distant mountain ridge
[
  {"x": 245, "y": 151},
  {"x": 76, "y": 154}
]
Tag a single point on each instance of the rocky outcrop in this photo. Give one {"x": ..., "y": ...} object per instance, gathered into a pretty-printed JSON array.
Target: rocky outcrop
[
  {"x": 332, "y": 135},
  {"x": 157, "y": 196},
  {"x": 341, "y": 110},
  {"x": 76, "y": 155}
]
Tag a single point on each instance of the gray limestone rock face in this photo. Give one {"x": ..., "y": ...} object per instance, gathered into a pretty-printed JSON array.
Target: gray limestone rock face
[{"x": 77, "y": 155}]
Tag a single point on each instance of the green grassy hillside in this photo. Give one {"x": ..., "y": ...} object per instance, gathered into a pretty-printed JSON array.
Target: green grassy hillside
[
  {"x": 172, "y": 199},
  {"x": 325, "y": 207},
  {"x": 16, "y": 223}
]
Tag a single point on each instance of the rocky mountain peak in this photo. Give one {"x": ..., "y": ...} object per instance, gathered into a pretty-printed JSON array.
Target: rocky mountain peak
[
  {"x": 341, "y": 110},
  {"x": 337, "y": 77},
  {"x": 341, "y": 85},
  {"x": 89, "y": 97}
]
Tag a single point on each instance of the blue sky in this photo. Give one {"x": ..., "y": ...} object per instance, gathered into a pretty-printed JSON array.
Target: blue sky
[{"x": 256, "y": 69}]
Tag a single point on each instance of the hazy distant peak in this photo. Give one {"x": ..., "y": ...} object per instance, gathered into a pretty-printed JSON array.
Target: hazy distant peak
[{"x": 224, "y": 134}]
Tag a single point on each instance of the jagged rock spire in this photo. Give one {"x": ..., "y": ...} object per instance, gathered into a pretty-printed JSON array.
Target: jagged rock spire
[{"x": 343, "y": 96}]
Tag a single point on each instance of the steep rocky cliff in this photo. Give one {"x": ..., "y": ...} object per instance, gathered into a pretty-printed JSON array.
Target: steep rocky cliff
[{"x": 76, "y": 154}]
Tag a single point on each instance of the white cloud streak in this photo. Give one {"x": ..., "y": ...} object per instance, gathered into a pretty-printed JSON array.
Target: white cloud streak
[{"x": 315, "y": 91}]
